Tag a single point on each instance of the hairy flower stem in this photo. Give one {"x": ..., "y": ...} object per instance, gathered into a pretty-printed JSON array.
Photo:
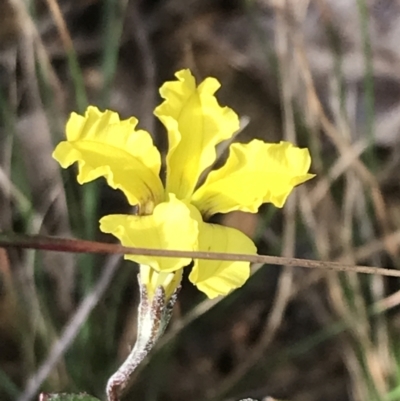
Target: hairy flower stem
[{"x": 154, "y": 315}]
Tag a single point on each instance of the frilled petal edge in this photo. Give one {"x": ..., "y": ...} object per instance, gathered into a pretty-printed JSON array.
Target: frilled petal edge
[
  {"x": 221, "y": 277},
  {"x": 104, "y": 145},
  {"x": 195, "y": 123},
  {"x": 254, "y": 173}
]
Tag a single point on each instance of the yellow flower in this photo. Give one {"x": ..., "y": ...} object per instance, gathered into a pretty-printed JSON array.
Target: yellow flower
[{"x": 173, "y": 216}]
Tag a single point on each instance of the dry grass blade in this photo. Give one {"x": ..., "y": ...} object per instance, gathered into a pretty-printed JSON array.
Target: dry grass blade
[
  {"x": 343, "y": 146},
  {"x": 71, "y": 330},
  {"x": 34, "y": 137}
]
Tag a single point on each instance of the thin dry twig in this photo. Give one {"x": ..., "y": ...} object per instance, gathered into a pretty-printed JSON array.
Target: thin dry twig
[{"x": 83, "y": 246}]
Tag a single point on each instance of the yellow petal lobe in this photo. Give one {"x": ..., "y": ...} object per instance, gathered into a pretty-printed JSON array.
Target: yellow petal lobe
[
  {"x": 171, "y": 226},
  {"x": 215, "y": 277},
  {"x": 195, "y": 123},
  {"x": 254, "y": 173},
  {"x": 105, "y": 146}
]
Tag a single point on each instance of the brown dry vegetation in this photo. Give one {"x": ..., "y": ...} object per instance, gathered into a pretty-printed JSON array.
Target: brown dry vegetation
[{"x": 322, "y": 73}]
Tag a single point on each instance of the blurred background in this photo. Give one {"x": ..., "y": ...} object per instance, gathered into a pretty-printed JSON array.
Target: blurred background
[{"x": 324, "y": 74}]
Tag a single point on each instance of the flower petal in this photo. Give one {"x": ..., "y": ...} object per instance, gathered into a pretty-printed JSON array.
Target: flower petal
[
  {"x": 103, "y": 145},
  {"x": 195, "y": 123},
  {"x": 171, "y": 226},
  {"x": 216, "y": 277},
  {"x": 254, "y": 173}
]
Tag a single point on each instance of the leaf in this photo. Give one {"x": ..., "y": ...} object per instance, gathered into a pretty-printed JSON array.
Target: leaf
[{"x": 67, "y": 397}]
